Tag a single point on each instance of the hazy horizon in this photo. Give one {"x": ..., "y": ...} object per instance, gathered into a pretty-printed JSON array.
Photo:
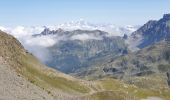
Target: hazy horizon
[{"x": 45, "y": 12}]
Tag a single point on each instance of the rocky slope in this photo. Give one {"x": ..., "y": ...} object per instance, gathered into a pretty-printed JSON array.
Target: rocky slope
[
  {"x": 12, "y": 85},
  {"x": 151, "y": 32},
  {"x": 15, "y": 87}
]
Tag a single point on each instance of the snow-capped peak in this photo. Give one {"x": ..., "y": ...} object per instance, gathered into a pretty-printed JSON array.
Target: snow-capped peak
[
  {"x": 84, "y": 25},
  {"x": 113, "y": 30}
]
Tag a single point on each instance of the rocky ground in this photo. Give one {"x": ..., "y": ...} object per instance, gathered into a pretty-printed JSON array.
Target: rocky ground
[{"x": 15, "y": 87}]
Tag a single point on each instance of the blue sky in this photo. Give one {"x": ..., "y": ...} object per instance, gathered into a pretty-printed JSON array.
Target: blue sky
[{"x": 51, "y": 12}]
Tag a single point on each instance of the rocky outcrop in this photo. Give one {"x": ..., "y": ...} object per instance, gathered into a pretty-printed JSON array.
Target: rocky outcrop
[
  {"x": 152, "y": 32},
  {"x": 166, "y": 16},
  {"x": 168, "y": 76}
]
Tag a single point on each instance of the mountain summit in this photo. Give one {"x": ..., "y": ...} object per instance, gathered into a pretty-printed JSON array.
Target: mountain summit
[
  {"x": 153, "y": 31},
  {"x": 166, "y": 16}
]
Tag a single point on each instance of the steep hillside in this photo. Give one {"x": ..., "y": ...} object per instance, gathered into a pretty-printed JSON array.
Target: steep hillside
[
  {"x": 15, "y": 87},
  {"x": 12, "y": 85},
  {"x": 28, "y": 67}
]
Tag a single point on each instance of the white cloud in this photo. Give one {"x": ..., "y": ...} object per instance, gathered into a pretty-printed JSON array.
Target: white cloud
[
  {"x": 44, "y": 41},
  {"x": 3, "y": 28},
  {"x": 37, "y": 46},
  {"x": 84, "y": 37},
  {"x": 21, "y": 31}
]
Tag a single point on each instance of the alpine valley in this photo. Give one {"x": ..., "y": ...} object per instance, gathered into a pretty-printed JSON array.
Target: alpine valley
[{"x": 87, "y": 62}]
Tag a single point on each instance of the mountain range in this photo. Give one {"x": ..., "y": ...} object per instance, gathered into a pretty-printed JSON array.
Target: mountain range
[
  {"x": 100, "y": 66},
  {"x": 73, "y": 50},
  {"x": 152, "y": 41},
  {"x": 81, "y": 48}
]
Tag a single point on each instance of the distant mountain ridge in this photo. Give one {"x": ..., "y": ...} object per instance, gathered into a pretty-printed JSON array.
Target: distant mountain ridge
[
  {"x": 151, "y": 32},
  {"x": 84, "y": 25},
  {"x": 61, "y": 32}
]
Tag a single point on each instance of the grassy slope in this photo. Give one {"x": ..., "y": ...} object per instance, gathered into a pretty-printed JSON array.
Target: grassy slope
[
  {"x": 112, "y": 89},
  {"x": 47, "y": 78},
  {"x": 107, "y": 89}
]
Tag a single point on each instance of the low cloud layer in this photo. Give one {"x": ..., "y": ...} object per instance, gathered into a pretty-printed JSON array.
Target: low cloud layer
[
  {"x": 38, "y": 45},
  {"x": 84, "y": 37},
  {"x": 44, "y": 41}
]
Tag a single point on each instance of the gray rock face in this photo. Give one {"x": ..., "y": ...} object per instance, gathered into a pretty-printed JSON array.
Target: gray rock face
[
  {"x": 166, "y": 16},
  {"x": 153, "y": 31},
  {"x": 168, "y": 75}
]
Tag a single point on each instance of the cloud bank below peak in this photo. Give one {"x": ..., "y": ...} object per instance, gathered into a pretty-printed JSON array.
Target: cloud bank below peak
[{"x": 38, "y": 45}]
